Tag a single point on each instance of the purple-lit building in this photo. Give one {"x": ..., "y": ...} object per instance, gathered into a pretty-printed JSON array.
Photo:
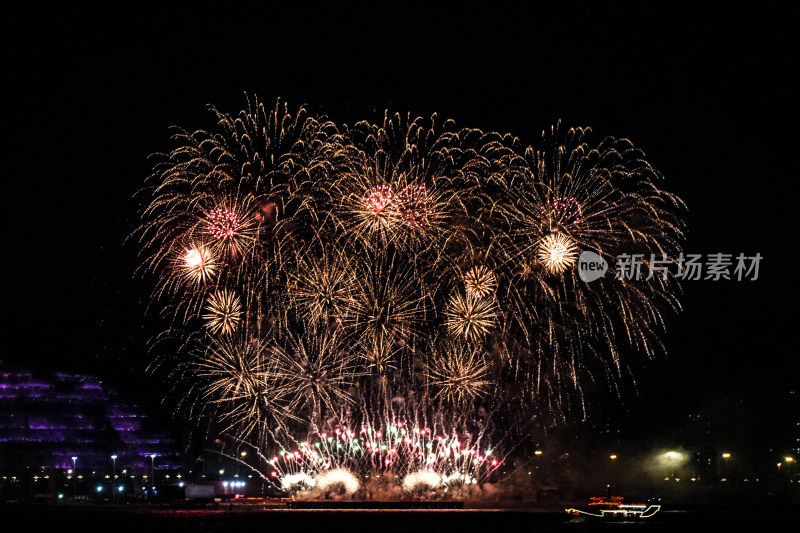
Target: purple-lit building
[{"x": 46, "y": 421}]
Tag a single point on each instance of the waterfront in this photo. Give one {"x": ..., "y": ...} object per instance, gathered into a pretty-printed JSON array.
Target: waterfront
[{"x": 152, "y": 519}]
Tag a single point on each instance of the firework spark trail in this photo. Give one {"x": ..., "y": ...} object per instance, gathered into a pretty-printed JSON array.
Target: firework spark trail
[{"x": 313, "y": 273}]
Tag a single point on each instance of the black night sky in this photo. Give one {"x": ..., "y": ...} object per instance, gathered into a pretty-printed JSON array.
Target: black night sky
[{"x": 709, "y": 97}]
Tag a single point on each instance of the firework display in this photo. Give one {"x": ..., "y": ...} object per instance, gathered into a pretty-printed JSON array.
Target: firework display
[{"x": 377, "y": 279}]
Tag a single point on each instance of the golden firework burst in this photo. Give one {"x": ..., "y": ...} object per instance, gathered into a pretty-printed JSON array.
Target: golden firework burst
[
  {"x": 223, "y": 312},
  {"x": 470, "y": 318},
  {"x": 346, "y": 246},
  {"x": 242, "y": 386},
  {"x": 479, "y": 282},
  {"x": 321, "y": 286},
  {"x": 385, "y": 303},
  {"x": 458, "y": 372},
  {"x": 557, "y": 252},
  {"x": 320, "y": 368}
]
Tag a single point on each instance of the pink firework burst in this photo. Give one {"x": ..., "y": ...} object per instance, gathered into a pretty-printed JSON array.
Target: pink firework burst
[
  {"x": 222, "y": 223},
  {"x": 415, "y": 206},
  {"x": 379, "y": 198},
  {"x": 567, "y": 210}
]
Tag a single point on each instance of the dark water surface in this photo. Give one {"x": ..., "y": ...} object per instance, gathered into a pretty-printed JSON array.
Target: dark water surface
[{"x": 143, "y": 520}]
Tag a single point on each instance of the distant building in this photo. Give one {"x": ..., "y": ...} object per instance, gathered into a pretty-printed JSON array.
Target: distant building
[{"x": 52, "y": 424}]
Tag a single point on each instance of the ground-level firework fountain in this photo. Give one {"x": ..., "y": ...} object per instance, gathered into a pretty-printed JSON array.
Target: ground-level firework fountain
[{"x": 382, "y": 462}]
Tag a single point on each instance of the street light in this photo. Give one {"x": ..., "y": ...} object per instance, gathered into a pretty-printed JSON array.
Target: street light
[
  {"x": 538, "y": 454},
  {"x": 114, "y": 478},
  {"x": 242, "y": 455},
  {"x": 611, "y": 469},
  {"x": 153, "y": 471},
  {"x": 726, "y": 456},
  {"x": 74, "y": 480}
]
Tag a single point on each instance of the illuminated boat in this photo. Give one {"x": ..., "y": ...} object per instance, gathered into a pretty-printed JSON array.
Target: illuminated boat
[{"x": 612, "y": 508}]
